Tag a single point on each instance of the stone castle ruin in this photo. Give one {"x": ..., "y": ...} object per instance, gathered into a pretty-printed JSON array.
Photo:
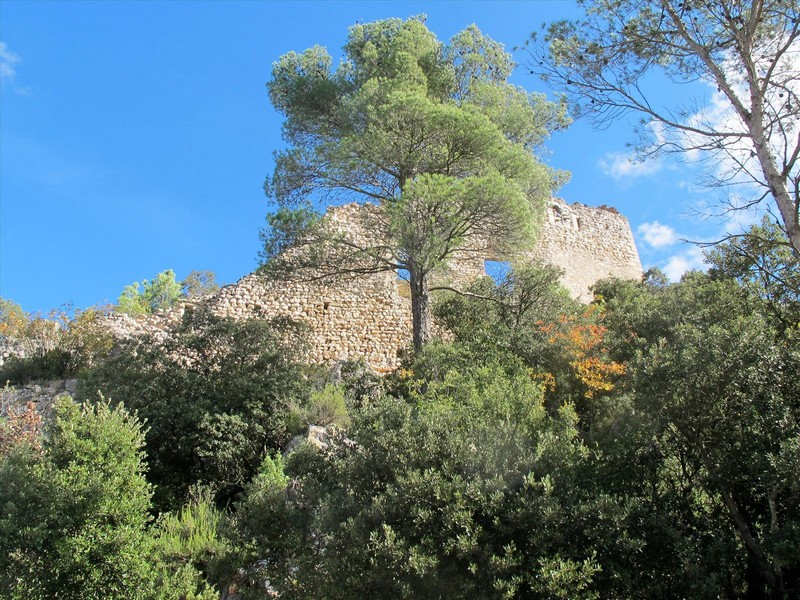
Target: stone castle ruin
[{"x": 369, "y": 317}]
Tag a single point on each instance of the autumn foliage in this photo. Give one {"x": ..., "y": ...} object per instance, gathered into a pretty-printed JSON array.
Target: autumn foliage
[{"x": 580, "y": 339}]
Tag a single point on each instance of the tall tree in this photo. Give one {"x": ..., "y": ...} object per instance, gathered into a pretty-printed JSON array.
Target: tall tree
[
  {"x": 713, "y": 376},
  {"x": 746, "y": 49},
  {"x": 430, "y": 135}
]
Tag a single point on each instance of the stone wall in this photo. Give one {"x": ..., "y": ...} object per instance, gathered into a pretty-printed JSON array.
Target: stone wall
[
  {"x": 369, "y": 316},
  {"x": 589, "y": 244},
  {"x": 348, "y": 318}
]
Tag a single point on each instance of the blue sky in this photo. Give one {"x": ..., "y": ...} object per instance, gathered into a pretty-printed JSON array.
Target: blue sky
[{"x": 135, "y": 137}]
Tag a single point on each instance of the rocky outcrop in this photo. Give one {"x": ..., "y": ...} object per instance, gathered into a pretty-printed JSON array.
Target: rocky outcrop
[{"x": 42, "y": 394}]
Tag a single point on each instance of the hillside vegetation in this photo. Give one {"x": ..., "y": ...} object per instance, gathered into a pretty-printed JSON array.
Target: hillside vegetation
[{"x": 644, "y": 446}]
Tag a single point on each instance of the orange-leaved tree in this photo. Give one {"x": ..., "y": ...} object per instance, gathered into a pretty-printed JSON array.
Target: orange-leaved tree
[{"x": 579, "y": 343}]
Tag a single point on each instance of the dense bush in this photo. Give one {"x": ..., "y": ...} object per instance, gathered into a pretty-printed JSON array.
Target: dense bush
[
  {"x": 189, "y": 547},
  {"x": 74, "y": 514},
  {"x": 715, "y": 398},
  {"x": 529, "y": 318},
  {"x": 470, "y": 490},
  {"x": 215, "y": 401}
]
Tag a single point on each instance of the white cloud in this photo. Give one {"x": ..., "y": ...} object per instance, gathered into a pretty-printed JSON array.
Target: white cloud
[
  {"x": 737, "y": 163},
  {"x": 7, "y": 61},
  {"x": 657, "y": 235},
  {"x": 621, "y": 165},
  {"x": 8, "y": 70},
  {"x": 687, "y": 260}
]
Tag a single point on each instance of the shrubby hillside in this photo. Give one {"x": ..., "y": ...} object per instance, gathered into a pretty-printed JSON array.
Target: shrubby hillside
[{"x": 643, "y": 446}]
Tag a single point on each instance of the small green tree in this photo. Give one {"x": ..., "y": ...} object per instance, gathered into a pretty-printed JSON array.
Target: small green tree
[
  {"x": 188, "y": 546},
  {"x": 198, "y": 284},
  {"x": 430, "y": 135},
  {"x": 161, "y": 292}
]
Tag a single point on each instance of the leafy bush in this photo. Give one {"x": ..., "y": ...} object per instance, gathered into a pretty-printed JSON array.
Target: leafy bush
[
  {"x": 215, "y": 400},
  {"x": 361, "y": 384},
  {"x": 161, "y": 292},
  {"x": 13, "y": 319},
  {"x": 198, "y": 284},
  {"x": 18, "y": 424},
  {"x": 324, "y": 408},
  {"x": 188, "y": 544},
  {"x": 74, "y": 516},
  {"x": 472, "y": 491}
]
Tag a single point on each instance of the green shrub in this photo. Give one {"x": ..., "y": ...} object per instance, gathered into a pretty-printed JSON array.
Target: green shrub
[
  {"x": 57, "y": 346},
  {"x": 74, "y": 515},
  {"x": 468, "y": 492},
  {"x": 215, "y": 400},
  {"x": 324, "y": 408},
  {"x": 198, "y": 284},
  {"x": 160, "y": 292},
  {"x": 189, "y": 545}
]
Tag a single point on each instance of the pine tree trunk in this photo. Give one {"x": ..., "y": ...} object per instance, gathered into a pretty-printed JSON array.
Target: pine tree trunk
[{"x": 420, "y": 309}]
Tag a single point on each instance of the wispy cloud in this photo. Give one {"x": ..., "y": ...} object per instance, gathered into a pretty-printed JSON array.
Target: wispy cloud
[
  {"x": 621, "y": 165},
  {"x": 8, "y": 69},
  {"x": 687, "y": 260},
  {"x": 7, "y": 61},
  {"x": 734, "y": 163},
  {"x": 657, "y": 235}
]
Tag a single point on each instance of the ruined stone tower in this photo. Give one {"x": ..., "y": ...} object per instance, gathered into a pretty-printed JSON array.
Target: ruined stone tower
[
  {"x": 589, "y": 244},
  {"x": 369, "y": 317}
]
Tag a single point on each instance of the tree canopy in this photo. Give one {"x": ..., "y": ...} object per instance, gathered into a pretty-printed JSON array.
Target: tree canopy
[
  {"x": 745, "y": 49},
  {"x": 432, "y": 135}
]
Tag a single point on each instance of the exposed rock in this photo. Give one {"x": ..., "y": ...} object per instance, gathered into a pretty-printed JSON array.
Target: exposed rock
[
  {"x": 41, "y": 393},
  {"x": 315, "y": 435}
]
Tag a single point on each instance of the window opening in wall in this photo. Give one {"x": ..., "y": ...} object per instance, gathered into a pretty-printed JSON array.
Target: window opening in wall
[
  {"x": 578, "y": 224},
  {"x": 326, "y": 305},
  {"x": 497, "y": 269},
  {"x": 402, "y": 284}
]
